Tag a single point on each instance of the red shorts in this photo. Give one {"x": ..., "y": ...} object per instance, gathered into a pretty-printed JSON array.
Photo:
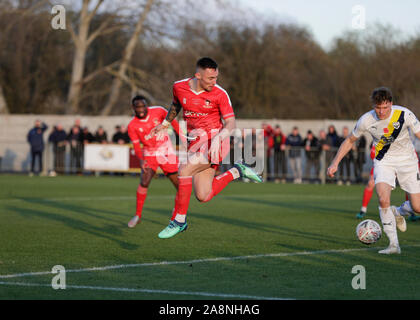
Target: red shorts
[
  {"x": 203, "y": 147},
  {"x": 168, "y": 163}
]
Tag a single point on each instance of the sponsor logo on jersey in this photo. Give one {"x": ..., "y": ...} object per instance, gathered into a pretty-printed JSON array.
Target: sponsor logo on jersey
[{"x": 195, "y": 114}]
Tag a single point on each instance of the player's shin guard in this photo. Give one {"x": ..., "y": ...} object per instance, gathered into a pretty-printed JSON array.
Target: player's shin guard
[
  {"x": 219, "y": 183},
  {"x": 182, "y": 198},
  {"x": 141, "y": 197},
  {"x": 389, "y": 225}
]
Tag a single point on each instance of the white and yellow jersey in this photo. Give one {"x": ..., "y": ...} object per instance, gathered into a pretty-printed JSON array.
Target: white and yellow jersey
[{"x": 391, "y": 136}]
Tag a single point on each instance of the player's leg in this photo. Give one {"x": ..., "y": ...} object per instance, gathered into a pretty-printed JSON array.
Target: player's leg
[
  {"x": 182, "y": 199},
  {"x": 173, "y": 177},
  {"x": 387, "y": 217},
  {"x": 367, "y": 196},
  {"x": 145, "y": 179}
]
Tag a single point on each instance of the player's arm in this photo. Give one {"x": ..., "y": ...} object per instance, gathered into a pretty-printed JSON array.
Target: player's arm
[
  {"x": 345, "y": 147},
  {"x": 172, "y": 113}
]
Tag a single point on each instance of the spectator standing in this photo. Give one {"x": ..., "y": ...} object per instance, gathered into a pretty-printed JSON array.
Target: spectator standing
[
  {"x": 269, "y": 143},
  {"x": 76, "y": 149},
  {"x": 86, "y": 136},
  {"x": 58, "y": 138},
  {"x": 360, "y": 159},
  {"x": 312, "y": 152},
  {"x": 280, "y": 164},
  {"x": 294, "y": 144},
  {"x": 345, "y": 169},
  {"x": 121, "y": 136},
  {"x": 333, "y": 143},
  {"x": 101, "y": 136},
  {"x": 35, "y": 138}
]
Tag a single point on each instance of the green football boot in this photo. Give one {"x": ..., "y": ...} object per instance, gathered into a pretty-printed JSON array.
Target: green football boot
[
  {"x": 172, "y": 229},
  {"x": 247, "y": 172},
  {"x": 360, "y": 215}
]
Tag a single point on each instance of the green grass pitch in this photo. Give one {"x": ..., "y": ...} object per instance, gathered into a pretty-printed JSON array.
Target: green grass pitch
[{"x": 252, "y": 241}]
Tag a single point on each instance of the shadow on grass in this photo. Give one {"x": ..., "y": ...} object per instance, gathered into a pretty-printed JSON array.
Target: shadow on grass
[{"x": 109, "y": 232}]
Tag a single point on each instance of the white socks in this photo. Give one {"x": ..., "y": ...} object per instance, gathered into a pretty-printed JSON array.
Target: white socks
[
  {"x": 389, "y": 225},
  {"x": 180, "y": 217},
  {"x": 235, "y": 173}
]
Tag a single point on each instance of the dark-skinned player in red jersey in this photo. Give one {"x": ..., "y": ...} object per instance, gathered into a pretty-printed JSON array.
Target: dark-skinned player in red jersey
[
  {"x": 210, "y": 120},
  {"x": 155, "y": 153}
]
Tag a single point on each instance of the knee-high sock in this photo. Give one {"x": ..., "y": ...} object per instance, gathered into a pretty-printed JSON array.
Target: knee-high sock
[
  {"x": 141, "y": 197},
  {"x": 220, "y": 182},
  {"x": 182, "y": 198},
  {"x": 389, "y": 225},
  {"x": 175, "y": 209},
  {"x": 367, "y": 195}
]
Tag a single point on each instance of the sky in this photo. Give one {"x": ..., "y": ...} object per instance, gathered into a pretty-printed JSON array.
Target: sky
[{"x": 327, "y": 19}]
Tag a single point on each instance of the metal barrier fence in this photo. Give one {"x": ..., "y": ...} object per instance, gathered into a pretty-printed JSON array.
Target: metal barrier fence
[
  {"x": 298, "y": 165},
  {"x": 280, "y": 167}
]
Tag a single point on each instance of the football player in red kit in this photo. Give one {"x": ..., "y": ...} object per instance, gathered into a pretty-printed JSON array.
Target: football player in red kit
[
  {"x": 210, "y": 121},
  {"x": 155, "y": 153}
]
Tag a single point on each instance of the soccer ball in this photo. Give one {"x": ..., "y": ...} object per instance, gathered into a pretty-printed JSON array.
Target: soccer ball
[{"x": 368, "y": 231}]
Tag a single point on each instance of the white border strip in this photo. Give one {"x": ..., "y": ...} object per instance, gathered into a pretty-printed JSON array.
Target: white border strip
[{"x": 165, "y": 263}]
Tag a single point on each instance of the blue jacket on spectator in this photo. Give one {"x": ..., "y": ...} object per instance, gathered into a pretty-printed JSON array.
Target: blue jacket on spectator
[{"x": 36, "y": 137}]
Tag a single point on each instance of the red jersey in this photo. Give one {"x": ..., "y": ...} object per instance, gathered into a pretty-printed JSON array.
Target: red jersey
[
  {"x": 202, "y": 110},
  {"x": 139, "y": 131}
]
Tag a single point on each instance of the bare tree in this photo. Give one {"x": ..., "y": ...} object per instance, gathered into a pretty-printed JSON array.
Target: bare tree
[
  {"x": 82, "y": 39},
  {"x": 128, "y": 54},
  {"x": 3, "y": 105}
]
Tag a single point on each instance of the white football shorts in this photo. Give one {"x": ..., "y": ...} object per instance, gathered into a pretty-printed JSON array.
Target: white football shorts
[{"x": 408, "y": 176}]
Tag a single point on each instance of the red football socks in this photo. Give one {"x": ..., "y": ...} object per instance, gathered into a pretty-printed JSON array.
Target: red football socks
[{"x": 141, "y": 197}]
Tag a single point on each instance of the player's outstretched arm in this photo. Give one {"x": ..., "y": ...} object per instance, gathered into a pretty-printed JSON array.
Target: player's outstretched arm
[
  {"x": 342, "y": 151},
  {"x": 172, "y": 113}
]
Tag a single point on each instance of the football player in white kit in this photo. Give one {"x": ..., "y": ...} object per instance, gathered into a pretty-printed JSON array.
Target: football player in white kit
[{"x": 395, "y": 158}]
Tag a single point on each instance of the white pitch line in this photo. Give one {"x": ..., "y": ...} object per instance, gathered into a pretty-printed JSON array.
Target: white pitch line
[
  {"x": 131, "y": 290},
  {"x": 166, "y": 263}
]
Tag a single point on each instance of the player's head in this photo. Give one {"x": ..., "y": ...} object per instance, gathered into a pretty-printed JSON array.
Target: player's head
[
  {"x": 382, "y": 102},
  {"x": 139, "y": 105},
  {"x": 206, "y": 73}
]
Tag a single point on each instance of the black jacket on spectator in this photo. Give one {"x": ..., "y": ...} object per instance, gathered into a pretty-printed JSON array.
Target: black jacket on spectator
[
  {"x": 294, "y": 141},
  {"x": 36, "y": 138},
  {"x": 57, "y": 136},
  {"x": 315, "y": 150}
]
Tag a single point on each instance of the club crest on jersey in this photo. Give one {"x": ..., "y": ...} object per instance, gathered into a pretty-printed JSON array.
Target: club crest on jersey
[
  {"x": 396, "y": 125},
  {"x": 156, "y": 121},
  {"x": 184, "y": 101},
  {"x": 141, "y": 129},
  {"x": 208, "y": 104}
]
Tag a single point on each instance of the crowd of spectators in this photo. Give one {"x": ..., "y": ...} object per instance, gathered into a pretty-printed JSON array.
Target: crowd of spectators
[
  {"x": 292, "y": 156},
  {"x": 74, "y": 139},
  {"x": 302, "y": 154}
]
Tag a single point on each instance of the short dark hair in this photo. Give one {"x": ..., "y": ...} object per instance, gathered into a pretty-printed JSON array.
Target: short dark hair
[
  {"x": 381, "y": 95},
  {"x": 138, "y": 97},
  {"x": 206, "y": 63}
]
